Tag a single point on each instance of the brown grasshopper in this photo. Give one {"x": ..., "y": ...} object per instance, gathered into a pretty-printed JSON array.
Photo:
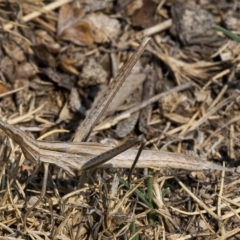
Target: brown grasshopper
[{"x": 81, "y": 156}]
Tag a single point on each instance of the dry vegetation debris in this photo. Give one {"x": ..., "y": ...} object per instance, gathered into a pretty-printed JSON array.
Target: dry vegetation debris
[{"x": 57, "y": 58}]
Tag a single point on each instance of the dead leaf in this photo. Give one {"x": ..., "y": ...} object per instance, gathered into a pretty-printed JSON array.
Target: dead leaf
[
  {"x": 104, "y": 28},
  {"x": 69, "y": 65},
  {"x": 63, "y": 80},
  {"x": 80, "y": 33},
  {"x": 26, "y": 70},
  {"x": 68, "y": 15},
  {"x": 125, "y": 126},
  {"x": 92, "y": 74},
  {"x": 7, "y": 68},
  {"x": 133, "y": 6},
  {"x": 144, "y": 16},
  {"x": 64, "y": 114},
  {"x": 203, "y": 96},
  {"x": 74, "y": 100},
  {"x": 132, "y": 82},
  {"x": 72, "y": 26},
  {"x": 3, "y": 88},
  {"x": 22, "y": 96},
  {"x": 14, "y": 51},
  {"x": 44, "y": 56}
]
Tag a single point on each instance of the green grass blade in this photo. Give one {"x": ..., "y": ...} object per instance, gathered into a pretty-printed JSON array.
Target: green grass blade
[
  {"x": 231, "y": 35},
  {"x": 133, "y": 231},
  {"x": 138, "y": 193}
]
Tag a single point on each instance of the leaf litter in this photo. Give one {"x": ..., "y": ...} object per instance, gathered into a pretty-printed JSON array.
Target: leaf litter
[{"x": 46, "y": 47}]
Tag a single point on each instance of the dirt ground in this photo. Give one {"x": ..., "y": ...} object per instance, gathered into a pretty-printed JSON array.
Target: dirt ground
[{"x": 57, "y": 59}]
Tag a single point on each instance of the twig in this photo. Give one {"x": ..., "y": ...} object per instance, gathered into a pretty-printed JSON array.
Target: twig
[{"x": 47, "y": 8}]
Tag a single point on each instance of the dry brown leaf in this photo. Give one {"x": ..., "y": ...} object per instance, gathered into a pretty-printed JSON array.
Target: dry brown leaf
[
  {"x": 26, "y": 70},
  {"x": 63, "y": 80},
  {"x": 14, "y": 51},
  {"x": 72, "y": 26},
  {"x": 166, "y": 104},
  {"x": 3, "y": 88},
  {"x": 64, "y": 114},
  {"x": 22, "y": 96},
  {"x": 125, "y": 126},
  {"x": 132, "y": 82},
  {"x": 80, "y": 33},
  {"x": 69, "y": 65},
  {"x": 133, "y": 6},
  {"x": 44, "y": 56},
  {"x": 7, "y": 68},
  {"x": 104, "y": 28},
  {"x": 68, "y": 15},
  {"x": 203, "y": 96},
  {"x": 144, "y": 16},
  {"x": 92, "y": 74},
  {"x": 74, "y": 100}
]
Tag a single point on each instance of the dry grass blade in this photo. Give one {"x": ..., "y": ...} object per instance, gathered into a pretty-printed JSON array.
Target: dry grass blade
[
  {"x": 35, "y": 14},
  {"x": 192, "y": 71},
  {"x": 97, "y": 111},
  {"x": 214, "y": 215}
]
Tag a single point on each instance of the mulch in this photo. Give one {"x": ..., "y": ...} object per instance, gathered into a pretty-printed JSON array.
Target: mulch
[{"x": 55, "y": 60}]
